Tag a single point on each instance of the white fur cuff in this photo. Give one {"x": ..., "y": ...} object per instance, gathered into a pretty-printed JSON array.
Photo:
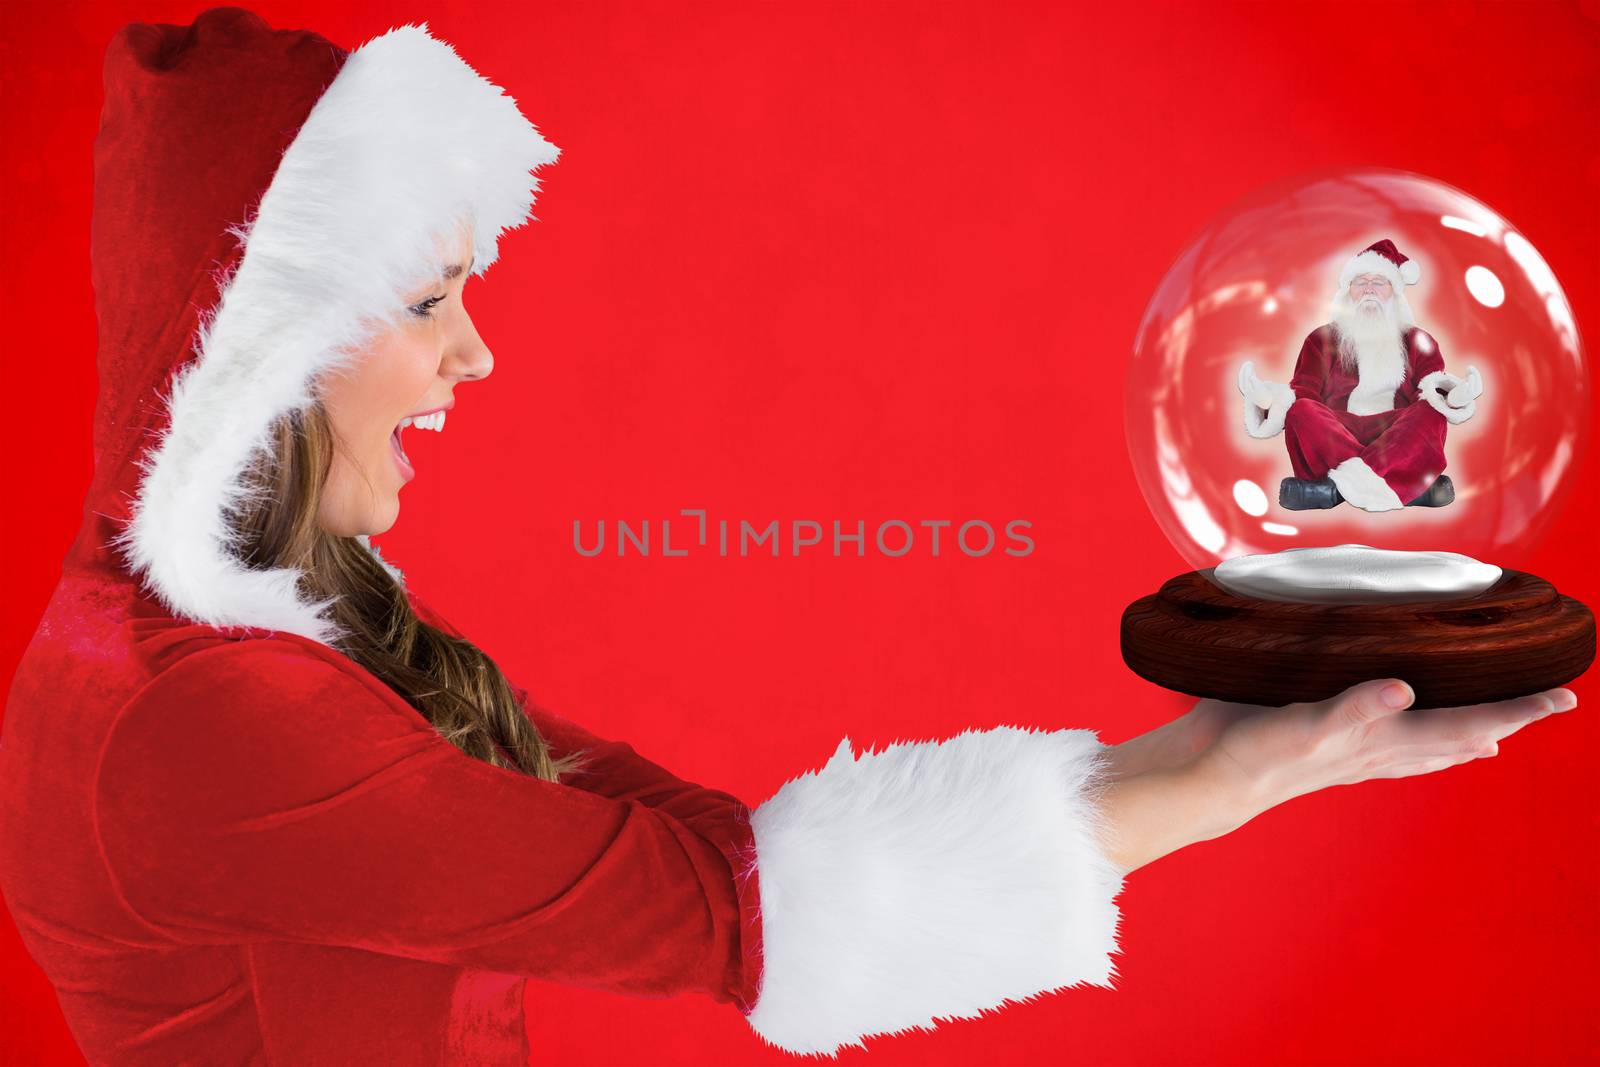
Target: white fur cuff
[
  {"x": 1360, "y": 485},
  {"x": 1266, "y": 404},
  {"x": 1454, "y": 398},
  {"x": 932, "y": 880}
]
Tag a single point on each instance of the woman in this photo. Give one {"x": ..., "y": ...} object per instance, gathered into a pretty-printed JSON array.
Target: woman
[{"x": 260, "y": 802}]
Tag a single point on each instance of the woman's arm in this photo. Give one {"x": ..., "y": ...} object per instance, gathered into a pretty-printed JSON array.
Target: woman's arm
[
  {"x": 1159, "y": 811},
  {"x": 933, "y": 879},
  {"x": 1211, "y": 771},
  {"x": 270, "y": 790},
  {"x": 612, "y": 768}
]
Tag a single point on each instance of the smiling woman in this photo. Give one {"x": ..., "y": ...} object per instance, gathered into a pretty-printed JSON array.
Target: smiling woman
[
  {"x": 406, "y": 377},
  {"x": 318, "y": 823}
]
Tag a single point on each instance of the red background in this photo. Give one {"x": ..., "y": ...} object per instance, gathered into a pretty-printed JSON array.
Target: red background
[{"x": 886, "y": 261}]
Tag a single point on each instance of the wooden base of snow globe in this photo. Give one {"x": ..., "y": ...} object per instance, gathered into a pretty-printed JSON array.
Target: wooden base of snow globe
[{"x": 1517, "y": 637}]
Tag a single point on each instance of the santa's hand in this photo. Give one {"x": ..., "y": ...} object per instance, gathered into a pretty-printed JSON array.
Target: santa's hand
[
  {"x": 1252, "y": 388},
  {"x": 1266, "y": 404},
  {"x": 1454, "y": 398},
  {"x": 1270, "y": 755},
  {"x": 1465, "y": 392}
]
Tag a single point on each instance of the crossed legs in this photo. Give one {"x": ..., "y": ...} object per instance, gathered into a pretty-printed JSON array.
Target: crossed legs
[{"x": 1378, "y": 462}]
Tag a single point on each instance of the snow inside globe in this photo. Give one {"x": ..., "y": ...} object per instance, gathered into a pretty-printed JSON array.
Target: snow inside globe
[{"x": 1356, "y": 386}]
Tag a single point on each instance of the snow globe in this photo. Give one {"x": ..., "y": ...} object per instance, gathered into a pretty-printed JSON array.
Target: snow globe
[{"x": 1354, "y": 401}]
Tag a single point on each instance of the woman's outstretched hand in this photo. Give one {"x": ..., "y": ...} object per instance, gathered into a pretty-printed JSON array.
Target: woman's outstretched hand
[
  {"x": 1214, "y": 769},
  {"x": 1275, "y": 754}
]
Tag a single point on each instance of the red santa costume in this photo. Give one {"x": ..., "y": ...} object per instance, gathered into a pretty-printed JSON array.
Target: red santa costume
[
  {"x": 224, "y": 841},
  {"x": 1370, "y": 399}
]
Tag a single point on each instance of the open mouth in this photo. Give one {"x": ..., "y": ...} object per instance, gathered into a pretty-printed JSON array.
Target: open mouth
[{"x": 434, "y": 421}]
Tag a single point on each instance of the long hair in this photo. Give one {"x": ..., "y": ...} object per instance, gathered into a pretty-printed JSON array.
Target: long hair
[{"x": 451, "y": 681}]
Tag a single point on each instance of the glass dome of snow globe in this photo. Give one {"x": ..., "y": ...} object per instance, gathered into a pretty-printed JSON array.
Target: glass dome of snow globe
[{"x": 1268, "y": 400}]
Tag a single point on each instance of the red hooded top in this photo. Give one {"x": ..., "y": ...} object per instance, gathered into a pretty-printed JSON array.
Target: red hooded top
[{"x": 224, "y": 841}]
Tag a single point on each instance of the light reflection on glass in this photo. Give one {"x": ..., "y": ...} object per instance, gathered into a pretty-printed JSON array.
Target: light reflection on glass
[
  {"x": 1485, "y": 287},
  {"x": 1250, "y": 497}
]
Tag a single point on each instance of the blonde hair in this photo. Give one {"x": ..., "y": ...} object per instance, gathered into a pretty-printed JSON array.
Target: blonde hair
[{"x": 451, "y": 681}]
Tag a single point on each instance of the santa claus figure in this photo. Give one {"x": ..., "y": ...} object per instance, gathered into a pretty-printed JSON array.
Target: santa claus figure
[{"x": 1366, "y": 413}]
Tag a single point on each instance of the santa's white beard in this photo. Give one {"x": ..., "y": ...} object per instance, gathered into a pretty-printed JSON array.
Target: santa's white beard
[
  {"x": 1368, "y": 331},
  {"x": 1370, "y": 345}
]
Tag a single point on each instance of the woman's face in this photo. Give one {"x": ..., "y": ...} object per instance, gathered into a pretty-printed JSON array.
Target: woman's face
[{"x": 409, "y": 372}]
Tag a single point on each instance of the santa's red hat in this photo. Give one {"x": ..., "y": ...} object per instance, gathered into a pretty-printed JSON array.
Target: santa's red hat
[
  {"x": 1382, "y": 257},
  {"x": 265, "y": 200}
]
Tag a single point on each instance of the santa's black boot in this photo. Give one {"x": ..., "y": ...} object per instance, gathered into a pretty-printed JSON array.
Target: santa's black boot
[
  {"x": 1437, "y": 495},
  {"x": 1304, "y": 494}
]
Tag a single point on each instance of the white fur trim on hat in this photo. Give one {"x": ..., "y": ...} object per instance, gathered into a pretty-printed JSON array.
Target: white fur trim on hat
[
  {"x": 1361, "y": 486},
  {"x": 1266, "y": 404},
  {"x": 407, "y": 144},
  {"x": 1407, "y": 273},
  {"x": 1454, "y": 398},
  {"x": 932, "y": 880}
]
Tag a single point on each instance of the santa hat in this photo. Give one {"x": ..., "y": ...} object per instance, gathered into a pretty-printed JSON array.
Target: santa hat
[
  {"x": 314, "y": 186},
  {"x": 1382, "y": 257}
]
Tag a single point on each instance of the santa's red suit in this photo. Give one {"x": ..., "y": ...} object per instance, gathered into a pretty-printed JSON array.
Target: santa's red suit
[
  {"x": 224, "y": 841},
  {"x": 1374, "y": 424}
]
